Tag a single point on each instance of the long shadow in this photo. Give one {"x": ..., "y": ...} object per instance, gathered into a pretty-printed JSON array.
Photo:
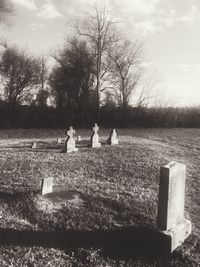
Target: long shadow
[
  {"x": 44, "y": 146},
  {"x": 17, "y": 146},
  {"x": 41, "y": 145},
  {"x": 5, "y": 195},
  {"x": 123, "y": 243},
  {"x": 87, "y": 144}
]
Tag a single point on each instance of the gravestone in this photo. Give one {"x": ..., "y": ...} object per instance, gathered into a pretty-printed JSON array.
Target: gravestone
[
  {"x": 34, "y": 145},
  {"x": 59, "y": 141},
  {"x": 171, "y": 221},
  {"x": 95, "y": 137},
  {"x": 47, "y": 185},
  {"x": 113, "y": 140},
  {"x": 79, "y": 138},
  {"x": 70, "y": 142}
]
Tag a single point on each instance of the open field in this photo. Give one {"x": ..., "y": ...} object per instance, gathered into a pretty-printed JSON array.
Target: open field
[{"x": 117, "y": 195}]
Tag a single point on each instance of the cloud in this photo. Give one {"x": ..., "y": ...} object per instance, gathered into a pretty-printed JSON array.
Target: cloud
[
  {"x": 147, "y": 26},
  {"x": 48, "y": 11},
  {"x": 187, "y": 13},
  {"x": 184, "y": 66},
  {"x": 143, "y": 6},
  {"x": 151, "y": 16},
  {"x": 191, "y": 16},
  {"x": 30, "y": 4},
  {"x": 137, "y": 7},
  {"x": 187, "y": 66},
  {"x": 146, "y": 64},
  {"x": 35, "y": 26}
]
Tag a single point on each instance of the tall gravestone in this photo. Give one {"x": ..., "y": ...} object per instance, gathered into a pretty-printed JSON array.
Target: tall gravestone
[
  {"x": 70, "y": 145},
  {"x": 95, "y": 137},
  {"x": 113, "y": 140},
  {"x": 171, "y": 221}
]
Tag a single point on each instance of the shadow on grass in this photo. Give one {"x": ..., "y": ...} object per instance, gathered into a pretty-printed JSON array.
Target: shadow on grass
[
  {"x": 122, "y": 243},
  {"x": 41, "y": 145},
  {"x": 5, "y": 195}
]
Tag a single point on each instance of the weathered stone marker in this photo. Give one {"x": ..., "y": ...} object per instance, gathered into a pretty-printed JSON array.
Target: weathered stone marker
[
  {"x": 113, "y": 140},
  {"x": 95, "y": 137},
  {"x": 79, "y": 138},
  {"x": 59, "y": 141},
  {"x": 34, "y": 145},
  {"x": 171, "y": 221},
  {"x": 47, "y": 185},
  {"x": 70, "y": 142}
]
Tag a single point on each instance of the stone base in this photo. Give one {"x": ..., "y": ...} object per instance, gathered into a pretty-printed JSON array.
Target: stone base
[
  {"x": 96, "y": 144},
  {"x": 116, "y": 142},
  {"x": 69, "y": 150},
  {"x": 174, "y": 237},
  {"x": 59, "y": 141},
  {"x": 112, "y": 142}
]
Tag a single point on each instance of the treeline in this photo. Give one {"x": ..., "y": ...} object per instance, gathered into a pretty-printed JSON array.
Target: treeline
[
  {"x": 49, "y": 117},
  {"x": 95, "y": 76},
  {"x": 96, "y": 67}
]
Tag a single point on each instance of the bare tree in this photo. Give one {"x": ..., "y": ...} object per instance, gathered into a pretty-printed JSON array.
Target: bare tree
[
  {"x": 43, "y": 92},
  {"x": 72, "y": 78},
  {"x": 125, "y": 71},
  {"x": 145, "y": 94},
  {"x": 43, "y": 73},
  {"x": 99, "y": 31},
  {"x": 18, "y": 73}
]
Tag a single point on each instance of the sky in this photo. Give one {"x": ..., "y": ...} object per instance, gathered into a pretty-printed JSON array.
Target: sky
[{"x": 169, "y": 30}]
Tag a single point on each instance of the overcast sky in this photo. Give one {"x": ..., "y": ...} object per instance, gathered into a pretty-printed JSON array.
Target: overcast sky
[{"x": 170, "y": 30}]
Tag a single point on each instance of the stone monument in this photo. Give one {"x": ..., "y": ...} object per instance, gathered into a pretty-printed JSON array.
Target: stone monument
[
  {"x": 47, "y": 185},
  {"x": 79, "y": 138},
  {"x": 113, "y": 140},
  {"x": 34, "y": 145},
  {"x": 59, "y": 141},
  {"x": 70, "y": 142},
  {"x": 95, "y": 137},
  {"x": 171, "y": 221}
]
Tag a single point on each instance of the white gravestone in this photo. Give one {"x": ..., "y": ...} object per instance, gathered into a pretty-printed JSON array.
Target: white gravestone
[
  {"x": 113, "y": 140},
  {"x": 79, "y": 138},
  {"x": 171, "y": 205},
  {"x": 59, "y": 141},
  {"x": 70, "y": 145},
  {"x": 34, "y": 145},
  {"x": 47, "y": 185},
  {"x": 95, "y": 137}
]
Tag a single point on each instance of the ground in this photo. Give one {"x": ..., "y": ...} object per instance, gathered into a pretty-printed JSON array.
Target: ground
[{"x": 108, "y": 217}]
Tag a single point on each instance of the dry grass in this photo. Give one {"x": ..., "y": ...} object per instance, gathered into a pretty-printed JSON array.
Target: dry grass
[{"x": 119, "y": 185}]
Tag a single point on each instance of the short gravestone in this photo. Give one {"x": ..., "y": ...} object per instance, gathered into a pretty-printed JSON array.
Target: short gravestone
[
  {"x": 171, "y": 205},
  {"x": 95, "y": 137},
  {"x": 70, "y": 145},
  {"x": 113, "y": 140},
  {"x": 34, "y": 145},
  {"x": 47, "y": 185},
  {"x": 59, "y": 141},
  {"x": 79, "y": 138}
]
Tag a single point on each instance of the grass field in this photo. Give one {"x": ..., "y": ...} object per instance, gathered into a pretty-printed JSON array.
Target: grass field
[{"x": 117, "y": 190}]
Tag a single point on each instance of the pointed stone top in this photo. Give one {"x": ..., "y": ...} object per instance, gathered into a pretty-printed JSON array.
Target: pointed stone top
[
  {"x": 71, "y": 131},
  {"x": 95, "y": 128},
  {"x": 114, "y": 133}
]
